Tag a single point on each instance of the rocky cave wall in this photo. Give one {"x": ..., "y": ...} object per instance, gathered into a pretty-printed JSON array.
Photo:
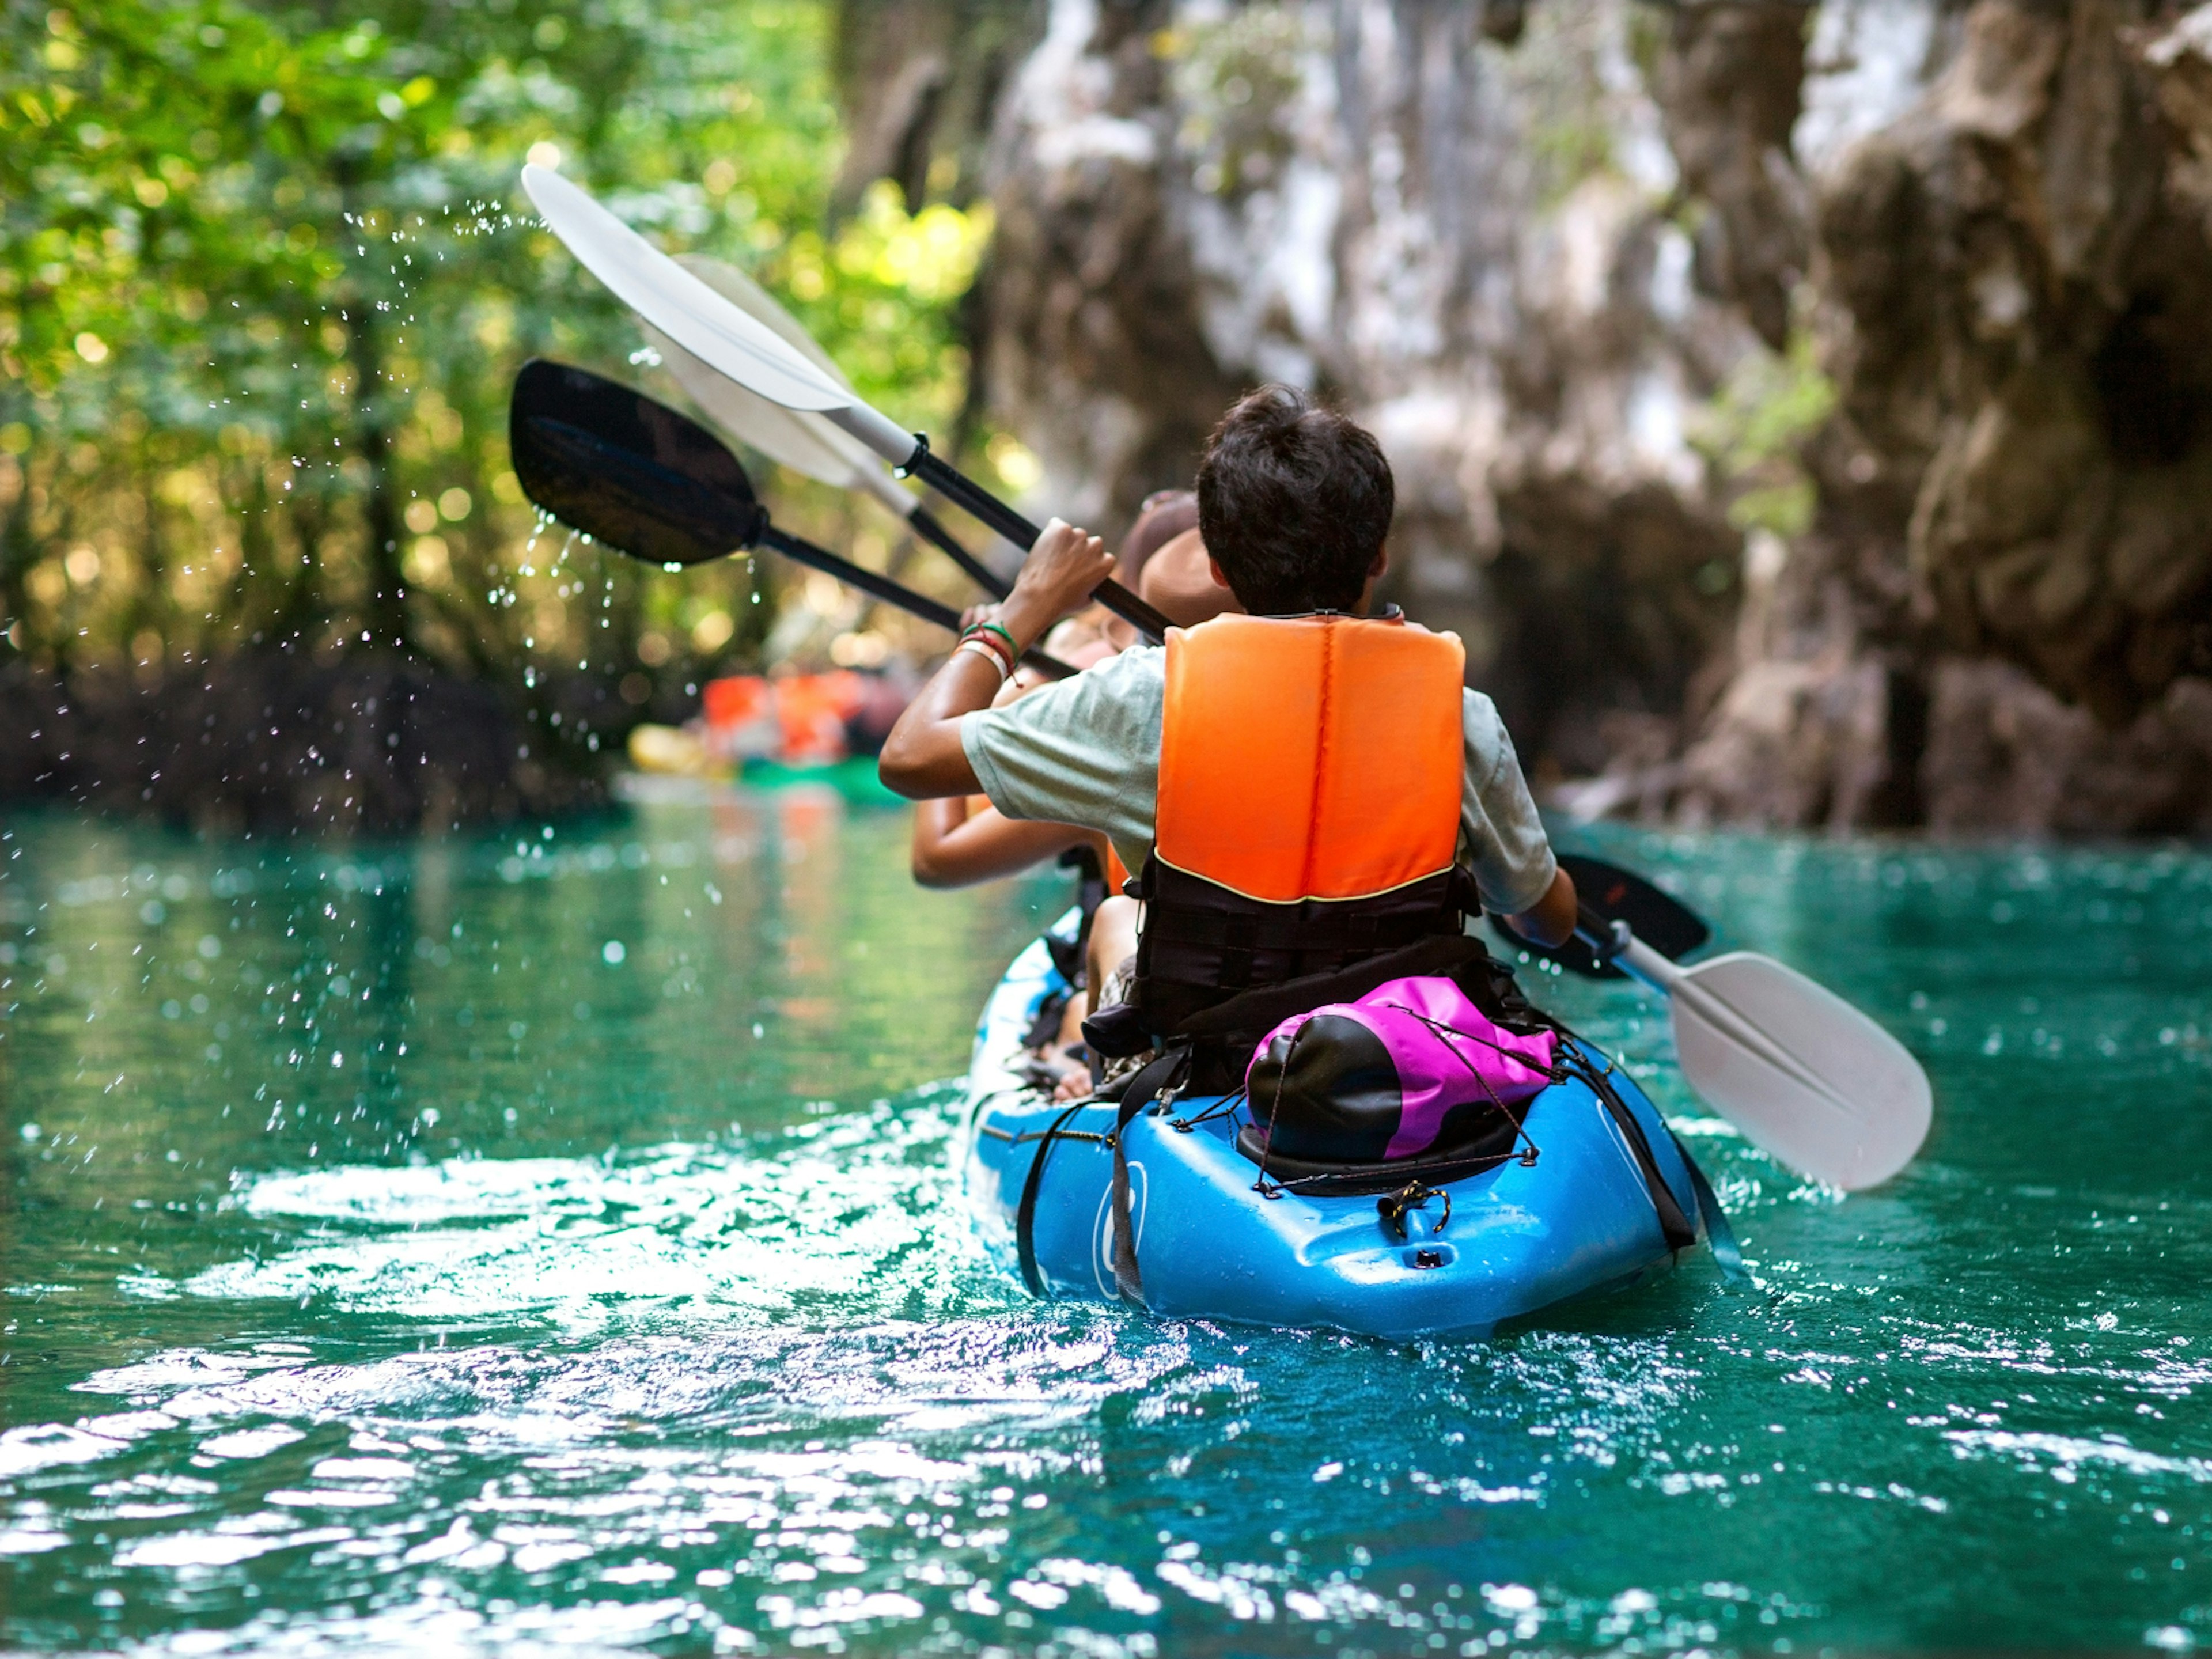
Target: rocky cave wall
[
  {"x": 2000, "y": 616},
  {"x": 1799, "y": 409}
]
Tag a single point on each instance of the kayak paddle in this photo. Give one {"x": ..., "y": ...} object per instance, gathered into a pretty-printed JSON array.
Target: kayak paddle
[
  {"x": 805, "y": 441},
  {"x": 654, "y": 485},
  {"x": 1805, "y": 1075},
  {"x": 733, "y": 344}
]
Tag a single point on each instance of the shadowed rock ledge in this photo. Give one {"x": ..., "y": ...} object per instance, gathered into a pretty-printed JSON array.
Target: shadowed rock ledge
[
  {"x": 268, "y": 744},
  {"x": 2000, "y": 616}
]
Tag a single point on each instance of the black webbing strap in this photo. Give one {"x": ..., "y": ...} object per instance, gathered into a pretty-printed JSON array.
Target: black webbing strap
[
  {"x": 1239, "y": 938},
  {"x": 1677, "y": 1228},
  {"x": 1261, "y": 1010},
  {"x": 1307, "y": 931},
  {"x": 1157, "y": 1079},
  {"x": 1727, "y": 1253},
  {"x": 1025, "y": 1212}
]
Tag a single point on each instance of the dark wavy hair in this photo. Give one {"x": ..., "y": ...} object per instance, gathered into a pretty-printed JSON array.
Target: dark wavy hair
[{"x": 1293, "y": 502}]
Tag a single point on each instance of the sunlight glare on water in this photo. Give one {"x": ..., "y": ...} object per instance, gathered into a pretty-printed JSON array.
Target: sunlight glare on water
[{"x": 551, "y": 1241}]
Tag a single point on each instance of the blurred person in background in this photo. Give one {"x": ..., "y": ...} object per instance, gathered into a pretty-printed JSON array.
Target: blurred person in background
[{"x": 965, "y": 840}]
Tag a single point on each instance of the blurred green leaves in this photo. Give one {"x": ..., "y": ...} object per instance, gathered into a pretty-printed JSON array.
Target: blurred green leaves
[
  {"x": 266, "y": 274},
  {"x": 1754, "y": 428}
]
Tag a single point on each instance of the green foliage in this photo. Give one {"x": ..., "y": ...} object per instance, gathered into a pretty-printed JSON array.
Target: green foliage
[
  {"x": 266, "y": 274},
  {"x": 1755, "y": 429}
]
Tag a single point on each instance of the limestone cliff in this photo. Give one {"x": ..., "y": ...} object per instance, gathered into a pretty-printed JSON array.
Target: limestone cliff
[
  {"x": 1800, "y": 409},
  {"x": 2000, "y": 616},
  {"x": 1466, "y": 242}
]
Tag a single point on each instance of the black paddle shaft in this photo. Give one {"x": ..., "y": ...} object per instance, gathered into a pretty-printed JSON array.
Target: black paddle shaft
[
  {"x": 868, "y": 581},
  {"x": 637, "y": 476},
  {"x": 986, "y": 508},
  {"x": 925, "y": 526},
  {"x": 1607, "y": 895},
  {"x": 874, "y": 583},
  {"x": 891, "y": 592}
]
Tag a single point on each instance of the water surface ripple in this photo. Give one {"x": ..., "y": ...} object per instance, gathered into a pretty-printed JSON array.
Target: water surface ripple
[{"x": 549, "y": 1244}]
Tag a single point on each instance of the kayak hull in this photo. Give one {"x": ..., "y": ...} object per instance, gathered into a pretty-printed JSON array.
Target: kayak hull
[{"x": 1515, "y": 1239}]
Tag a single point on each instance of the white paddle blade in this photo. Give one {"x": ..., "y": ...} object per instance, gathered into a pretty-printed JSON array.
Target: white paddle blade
[
  {"x": 678, "y": 303},
  {"x": 865, "y": 469},
  {"x": 784, "y": 435},
  {"x": 757, "y": 303},
  {"x": 1801, "y": 1073}
]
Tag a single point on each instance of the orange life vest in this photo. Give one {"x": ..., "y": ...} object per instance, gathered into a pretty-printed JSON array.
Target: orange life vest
[
  {"x": 1309, "y": 809},
  {"x": 1311, "y": 757}
]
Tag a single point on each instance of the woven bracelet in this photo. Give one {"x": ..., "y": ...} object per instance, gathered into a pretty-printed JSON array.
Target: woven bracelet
[
  {"x": 979, "y": 635},
  {"x": 989, "y": 652}
]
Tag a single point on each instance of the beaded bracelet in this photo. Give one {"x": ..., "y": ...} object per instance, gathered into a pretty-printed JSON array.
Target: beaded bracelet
[{"x": 989, "y": 653}]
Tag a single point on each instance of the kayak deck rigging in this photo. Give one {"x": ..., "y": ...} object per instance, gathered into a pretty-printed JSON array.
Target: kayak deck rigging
[{"x": 1570, "y": 1210}]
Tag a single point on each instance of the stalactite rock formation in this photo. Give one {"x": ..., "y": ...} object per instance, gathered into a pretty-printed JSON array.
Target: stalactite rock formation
[{"x": 1096, "y": 349}]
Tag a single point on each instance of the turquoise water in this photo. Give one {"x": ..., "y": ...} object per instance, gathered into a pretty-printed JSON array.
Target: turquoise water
[{"x": 548, "y": 1242}]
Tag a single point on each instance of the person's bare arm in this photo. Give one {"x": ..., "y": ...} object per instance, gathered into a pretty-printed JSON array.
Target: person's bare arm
[
  {"x": 952, "y": 849},
  {"x": 1551, "y": 919},
  {"x": 922, "y": 758}
]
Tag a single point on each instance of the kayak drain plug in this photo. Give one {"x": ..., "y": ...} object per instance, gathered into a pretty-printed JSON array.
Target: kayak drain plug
[{"x": 1428, "y": 1258}]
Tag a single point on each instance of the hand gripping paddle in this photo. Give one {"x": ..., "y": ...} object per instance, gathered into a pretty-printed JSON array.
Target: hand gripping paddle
[
  {"x": 650, "y": 482},
  {"x": 1803, "y": 1074},
  {"x": 1658, "y": 918},
  {"x": 733, "y": 344}
]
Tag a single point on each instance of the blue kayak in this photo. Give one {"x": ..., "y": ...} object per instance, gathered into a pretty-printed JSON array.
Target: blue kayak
[{"x": 1526, "y": 1234}]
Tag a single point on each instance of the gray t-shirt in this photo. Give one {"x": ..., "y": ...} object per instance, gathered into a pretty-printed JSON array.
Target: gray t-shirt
[{"x": 1086, "y": 752}]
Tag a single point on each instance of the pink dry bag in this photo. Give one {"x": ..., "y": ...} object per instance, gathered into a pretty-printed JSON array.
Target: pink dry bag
[{"x": 1412, "y": 1068}]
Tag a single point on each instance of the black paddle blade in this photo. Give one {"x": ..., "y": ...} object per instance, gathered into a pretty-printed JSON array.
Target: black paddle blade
[
  {"x": 1660, "y": 919},
  {"x": 627, "y": 470}
]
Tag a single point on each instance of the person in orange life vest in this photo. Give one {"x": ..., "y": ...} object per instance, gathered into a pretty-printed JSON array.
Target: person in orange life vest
[
  {"x": 962, "y": 839},
  {"x": 1283, "y": 782}
]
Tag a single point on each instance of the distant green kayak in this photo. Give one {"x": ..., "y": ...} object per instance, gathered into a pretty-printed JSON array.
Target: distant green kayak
[{"x": 853, "y": 779}]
